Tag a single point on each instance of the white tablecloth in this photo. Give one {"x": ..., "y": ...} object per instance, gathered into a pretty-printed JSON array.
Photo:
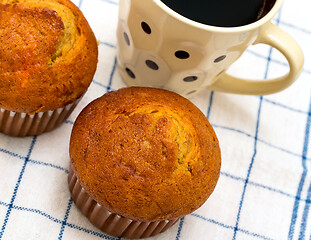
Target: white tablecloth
[{"x": 264, "y": 191}]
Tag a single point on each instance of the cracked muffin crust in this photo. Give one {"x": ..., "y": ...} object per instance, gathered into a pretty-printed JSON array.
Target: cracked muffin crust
[
  {"x": 48, "y": 54},
  {"x": 145, "y": 154}
]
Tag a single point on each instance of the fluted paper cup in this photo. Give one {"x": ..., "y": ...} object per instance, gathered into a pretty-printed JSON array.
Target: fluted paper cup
[
  {"x": 18, "y": 124},
  {"x": 111, "y": 223}
]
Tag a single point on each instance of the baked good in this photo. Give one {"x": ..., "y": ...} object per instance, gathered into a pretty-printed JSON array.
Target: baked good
[
  {"x": 48, "y": 55},
  {"x": 143, "y": 154}
]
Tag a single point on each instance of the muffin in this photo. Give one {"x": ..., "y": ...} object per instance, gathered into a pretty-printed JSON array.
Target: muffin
[
  {"x": 48, "y": 57},
  {"x": 141, "y": 158}
]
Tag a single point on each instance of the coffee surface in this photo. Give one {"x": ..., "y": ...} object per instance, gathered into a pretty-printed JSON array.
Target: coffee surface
[{"x": 221, "y": 13}]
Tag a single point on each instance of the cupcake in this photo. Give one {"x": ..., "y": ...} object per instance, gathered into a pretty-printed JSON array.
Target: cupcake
[
  {"x": 141, "y": 158},
  {"x": 48, "y": 57}
]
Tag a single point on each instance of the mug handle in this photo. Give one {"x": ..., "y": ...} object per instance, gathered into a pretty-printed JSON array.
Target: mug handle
[{"x": 275, "y": 37}]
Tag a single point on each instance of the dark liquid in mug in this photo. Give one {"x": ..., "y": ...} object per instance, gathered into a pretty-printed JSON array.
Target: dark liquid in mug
[{"x": 221, "y": 13}]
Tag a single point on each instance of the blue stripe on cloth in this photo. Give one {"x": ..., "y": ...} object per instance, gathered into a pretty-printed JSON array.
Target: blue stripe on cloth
[
  {"x": 49, "y": 165},
  {"x": 307, "y": 71},
  {"x": 69, "y": 122},
  {"x": 261, "y": 186},
  {"x": 12, "y": 154},
  {"x": 111, "y": 2},
  {"x": 33, "y": 161},
  {"x": 211, "y": 97},
  {"x": 80, "y": 3},
  {"x": 112, "y": 74},
  {"x": 37, "y": 212},
  {"x": 248, "y": 172},
  {"x": 8, "y": 213},
  {"x": 254, "y": 234},
  {"x": 181, "y": 223},
  {"x": 305, "y": 215},
  {"x": 99, "y": 84},
  {"x": 229, "y": 227},
  {"x": 228, "y": 175},
  {"x": 4, "y": 204},
  {"x": 274, "y": 190},
  {"x": 211, "y": 221},
  {"x": 232, "y": 129},
  {"x": 279, "y": 148},
  {"x": 296, "y": 27},
  {"x": 255, "y": 145},
  {"x": 98, "y": 234},
  {"x": 108, "y": 87},
  {"x": 259, "y": 140},
  {"x": 304, "y": 70},
  {"x": 256, "y": 54},
  {"x": 296, "y": 205},
  {"x": 208, "y": 115},
  {"x": 64, "y": 222},
  {"x": 301, "y": 184},
  {"x": 107, "y": 44},
  {"x": 303, "y": 176},
  {"x": 284, "y": 106},
  {"x": 33, "y": 211}
]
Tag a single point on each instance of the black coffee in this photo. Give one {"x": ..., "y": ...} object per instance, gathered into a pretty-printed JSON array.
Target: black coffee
[{"x": 221, "y": 13}]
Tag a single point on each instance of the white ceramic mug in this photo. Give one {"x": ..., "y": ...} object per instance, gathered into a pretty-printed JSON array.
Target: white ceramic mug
[{"x": 158, "y": 47}]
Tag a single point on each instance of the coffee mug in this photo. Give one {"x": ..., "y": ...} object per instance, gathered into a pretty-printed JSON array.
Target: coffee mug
[{"x": 159, "y": 47}]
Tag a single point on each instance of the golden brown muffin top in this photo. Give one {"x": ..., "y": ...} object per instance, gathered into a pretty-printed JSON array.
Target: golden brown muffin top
[
  {"x": 145, "y": 153},
  {"x": 48, "y": 54}
]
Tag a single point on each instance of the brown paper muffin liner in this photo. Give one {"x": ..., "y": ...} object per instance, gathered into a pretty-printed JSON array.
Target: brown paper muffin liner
[
  {"x": 111, "y": 223},
  {"x": 22, "y": 124}
]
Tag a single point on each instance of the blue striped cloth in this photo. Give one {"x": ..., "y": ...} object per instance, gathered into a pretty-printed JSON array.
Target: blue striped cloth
[{"x": 264, "y": 191}]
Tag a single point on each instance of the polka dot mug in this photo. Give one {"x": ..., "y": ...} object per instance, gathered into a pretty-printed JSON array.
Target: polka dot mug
[{"x": 157, "y": 47}]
